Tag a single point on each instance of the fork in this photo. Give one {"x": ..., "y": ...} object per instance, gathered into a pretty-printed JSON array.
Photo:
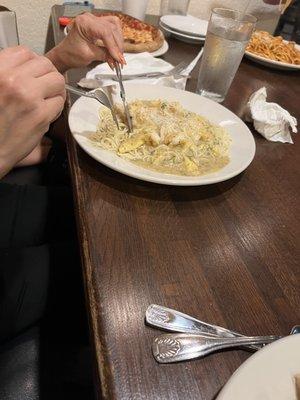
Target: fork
[
  {"x": 98, "y": 95},
  {"x": 123, "y": 97},
  {"x": 174, "y": 71}
]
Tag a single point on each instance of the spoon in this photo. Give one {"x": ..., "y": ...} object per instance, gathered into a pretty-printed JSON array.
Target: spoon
[
  {"x": 295, "y": 330},
  {"x": 176, "y": 347},
  {"x": 175, "y": 321}
]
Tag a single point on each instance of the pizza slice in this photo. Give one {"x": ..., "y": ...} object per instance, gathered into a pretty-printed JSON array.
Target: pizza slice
[{"x": 138, "y": 35}]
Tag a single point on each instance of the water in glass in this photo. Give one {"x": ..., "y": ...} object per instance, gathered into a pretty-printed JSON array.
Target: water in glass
[{"x": 224, "y": 49}]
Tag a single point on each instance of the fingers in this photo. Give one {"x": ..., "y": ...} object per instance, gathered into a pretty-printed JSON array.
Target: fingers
[
  {"x": 100, "y": 52},
  {"x": 111, "y": 62},
  {"x": 110, "y": 43},
  {"x": 14, "y": 56},
  {"x": 50, "y": 85},
  {"x": 104, "y": 31},
  {"x": 53, "y": 107},
  {"x": 120, "y": 45},
  {"x": 117, "y": 31},
  {"x": 36, "y": 67}
]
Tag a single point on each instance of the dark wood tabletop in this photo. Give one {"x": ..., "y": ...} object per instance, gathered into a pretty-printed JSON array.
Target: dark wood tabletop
[{"x": 226, "y": 253}]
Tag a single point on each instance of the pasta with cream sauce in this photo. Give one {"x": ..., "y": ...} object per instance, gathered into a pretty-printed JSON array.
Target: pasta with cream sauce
[{"x": 165, "y": 138}]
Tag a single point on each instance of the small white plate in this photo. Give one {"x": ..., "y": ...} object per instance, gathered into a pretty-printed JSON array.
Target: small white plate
[
  {"x": 186, "y": 24},
  {"x": 161, "y": 51},
  {"x": 182, "y": 36},
  {"x": 157, "y": 53},
  {"x": 271, "y": 63},
  {"x": 268, "y": 374},
  {"x": 84, "y": 119}
]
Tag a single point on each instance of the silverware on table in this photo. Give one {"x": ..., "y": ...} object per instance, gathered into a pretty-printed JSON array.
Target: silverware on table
[
  {"x": 141, "y": 76},
  {"x": 123, "y": 97},
  {"x": 295, "y": 330},
  {"x": 176, "y": 71},
  {"x": 175, "y": 321},
  {"x": 93, "y": 83},
  {"x": 89, "y": 83},
  {"x": 176, "y": 347},
  {"x": 98, "y": 95}
]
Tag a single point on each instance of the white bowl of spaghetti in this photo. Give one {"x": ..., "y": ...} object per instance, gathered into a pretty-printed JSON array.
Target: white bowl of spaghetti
[{"x": 273, "y": 52}]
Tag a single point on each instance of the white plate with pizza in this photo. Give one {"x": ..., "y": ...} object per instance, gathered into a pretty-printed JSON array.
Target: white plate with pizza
[
  {"x": 139, "y": 36},
  {"x": 157, "y": 53},
  {"x": 161, "y": 51},
  {"x": 86, "y": 118}
]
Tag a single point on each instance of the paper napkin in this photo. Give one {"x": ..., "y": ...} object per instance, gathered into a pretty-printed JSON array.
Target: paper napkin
[
  {"x": 137, "y": 63},
  {"x": 269, "y": 119}
]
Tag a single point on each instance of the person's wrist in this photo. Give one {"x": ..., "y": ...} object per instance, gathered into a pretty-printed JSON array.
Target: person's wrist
[
  {"x": 59, "y": 59},
  {"x": 5, "y": 166}
]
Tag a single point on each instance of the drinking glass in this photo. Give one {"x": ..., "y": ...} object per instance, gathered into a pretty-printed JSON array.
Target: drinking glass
[
  {"x": 227, "y": 36},
  {"x": 135, "y": 8},
  {"x": 169, "y": 7}
]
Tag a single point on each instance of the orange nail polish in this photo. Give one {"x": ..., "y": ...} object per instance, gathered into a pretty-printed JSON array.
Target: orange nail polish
[{"x": 123, "y": 60}]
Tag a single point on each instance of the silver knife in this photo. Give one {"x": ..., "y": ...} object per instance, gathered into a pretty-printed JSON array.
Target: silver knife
[{"x": 140, "y": 76}]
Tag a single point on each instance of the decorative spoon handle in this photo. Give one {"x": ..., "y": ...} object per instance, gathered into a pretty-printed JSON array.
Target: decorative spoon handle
[
  {"x": 171, "y": 348},
  {"x": 175, "y": 321}
]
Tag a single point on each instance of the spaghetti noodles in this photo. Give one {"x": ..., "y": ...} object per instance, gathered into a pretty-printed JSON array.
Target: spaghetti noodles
[
  {"x": 273, "y": 48},
  {"x": 165, "y": 138}
]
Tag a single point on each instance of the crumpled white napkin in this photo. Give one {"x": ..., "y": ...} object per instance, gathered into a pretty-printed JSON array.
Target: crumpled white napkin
[
  {"x": 143, "y": 62},
  {"x": 269, "y": 119}
]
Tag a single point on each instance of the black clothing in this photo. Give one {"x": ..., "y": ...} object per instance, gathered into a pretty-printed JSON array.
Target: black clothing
[{"x": 39, "y": 260}]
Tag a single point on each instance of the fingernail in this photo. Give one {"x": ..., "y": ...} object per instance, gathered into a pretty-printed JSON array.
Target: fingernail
[
  {"x": 111, "y": 65},
  {"x": 123, "y": 60}
]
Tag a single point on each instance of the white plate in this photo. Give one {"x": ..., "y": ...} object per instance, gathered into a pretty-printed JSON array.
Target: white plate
[
  {"x": 83, "y": 119},
  {"x": 157, "y": 53},
  {"x": 161, "y": 51},
  {"x": 268, "y": 374},
  {"x": 182, "y": 36},
  {"x": 272, "y": 63},
  {"x": 186, "y": 24}
]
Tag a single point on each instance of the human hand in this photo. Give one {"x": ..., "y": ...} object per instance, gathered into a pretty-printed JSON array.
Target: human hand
[
  {"x": 38, "y": 155},
  {"x": 90, "y": 39},
  {"x": 32, "y": 95}
]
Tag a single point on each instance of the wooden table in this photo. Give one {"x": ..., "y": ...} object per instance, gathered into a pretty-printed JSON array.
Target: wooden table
[{"x": 226, "y": 253}]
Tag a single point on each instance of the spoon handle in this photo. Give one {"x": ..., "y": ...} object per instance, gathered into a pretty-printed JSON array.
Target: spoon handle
[
  {"x": 171, "y": 348},
  {"x": 175, "y": 321}
]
